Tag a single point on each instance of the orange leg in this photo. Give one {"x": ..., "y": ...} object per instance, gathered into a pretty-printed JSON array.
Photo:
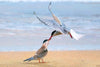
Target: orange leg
[
  {"x": 39, "y": 60},
  {"x": 43, "y": 61}
]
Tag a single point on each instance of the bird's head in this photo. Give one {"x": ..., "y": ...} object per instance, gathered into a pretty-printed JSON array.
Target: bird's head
[
  {"x": 54, "y": 33},
  {"x": 45, "y": 40}
]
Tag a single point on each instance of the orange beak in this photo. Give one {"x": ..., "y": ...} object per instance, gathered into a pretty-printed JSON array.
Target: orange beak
[
  {"x": 70, "y": 35},
  {"x": 50, "y": 38}
]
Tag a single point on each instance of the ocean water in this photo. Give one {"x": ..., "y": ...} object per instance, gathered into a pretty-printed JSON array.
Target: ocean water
[{"x": 18, "y": 22}]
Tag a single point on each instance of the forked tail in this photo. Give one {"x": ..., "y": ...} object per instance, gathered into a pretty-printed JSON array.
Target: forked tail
[{"x": 76, "y": 35}]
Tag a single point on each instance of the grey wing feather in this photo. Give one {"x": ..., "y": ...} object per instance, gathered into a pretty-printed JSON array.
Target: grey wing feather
[
  {"x": 51, "y": 23},
  {"x": 41, "y": 54},
  {"x": 64, "y": 29},
  {"x": 41, "y": 21},
  {"x": 47, "y": 22}
]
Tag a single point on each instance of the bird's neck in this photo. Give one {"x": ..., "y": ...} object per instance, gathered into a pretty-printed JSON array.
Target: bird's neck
[{"x": 50, "y": 37}]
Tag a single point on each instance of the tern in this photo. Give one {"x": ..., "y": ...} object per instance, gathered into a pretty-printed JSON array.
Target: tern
[
  {"x": 60, "y": 27},
  {"x": 42, "y": 52}
]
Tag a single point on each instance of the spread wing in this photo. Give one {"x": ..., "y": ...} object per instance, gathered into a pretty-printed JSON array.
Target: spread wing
[
  {"x": 62, "y": 26},
  {"x": 58, "y": 25},
  {"x": 53, "y": 23},
  {"x": 48, "y": 22},
  {"x": 55, "y": 18}
]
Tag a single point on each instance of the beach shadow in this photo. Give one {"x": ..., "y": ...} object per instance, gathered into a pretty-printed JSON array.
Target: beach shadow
[
  {"x": 35, "y": 63},
  {"x": 46, "y": 64}
]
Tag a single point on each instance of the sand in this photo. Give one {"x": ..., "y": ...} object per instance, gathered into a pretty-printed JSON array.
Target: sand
[{"x": 53, "y": 59}]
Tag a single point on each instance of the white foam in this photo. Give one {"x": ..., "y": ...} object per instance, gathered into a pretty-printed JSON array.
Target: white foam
[{"x": 49, "y": 0}]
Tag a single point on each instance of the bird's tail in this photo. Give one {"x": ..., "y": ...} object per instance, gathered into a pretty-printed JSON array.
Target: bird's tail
[
  {"x": 29, "y": 59},
  {"x": 75, "y": 35}
]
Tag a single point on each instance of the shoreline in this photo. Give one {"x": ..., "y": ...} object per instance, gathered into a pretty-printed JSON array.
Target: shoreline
[{"x": 50, "y": 50}]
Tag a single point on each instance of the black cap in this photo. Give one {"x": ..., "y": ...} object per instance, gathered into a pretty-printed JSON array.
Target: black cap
[
  {"x": 45, "y": 40},
  {"x": 53, "y": 32}
]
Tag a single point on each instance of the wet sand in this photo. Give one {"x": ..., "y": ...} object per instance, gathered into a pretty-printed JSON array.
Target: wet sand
[{"x": 53, "y": 59}]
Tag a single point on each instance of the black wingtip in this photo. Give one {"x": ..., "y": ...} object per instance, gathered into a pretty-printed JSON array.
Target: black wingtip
[
  {"x": 50, "y": 3},
  {"x": 34, "y": 13},
  {"x": 24, "y": 60}
]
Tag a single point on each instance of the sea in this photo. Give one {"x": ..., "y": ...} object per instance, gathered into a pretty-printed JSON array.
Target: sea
[{"x": 21, "y": 31}]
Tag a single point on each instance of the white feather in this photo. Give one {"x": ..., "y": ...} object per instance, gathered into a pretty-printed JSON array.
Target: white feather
[{"x": 75, "y": 35}]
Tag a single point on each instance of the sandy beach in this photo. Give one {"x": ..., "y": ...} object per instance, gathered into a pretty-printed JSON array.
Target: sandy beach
[{"x": 53, "y": 59}]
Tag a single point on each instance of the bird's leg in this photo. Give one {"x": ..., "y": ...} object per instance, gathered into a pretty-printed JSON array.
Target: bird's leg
[
  {"x": 43, "y": 61},
  {"x": 39, "y": 60}
]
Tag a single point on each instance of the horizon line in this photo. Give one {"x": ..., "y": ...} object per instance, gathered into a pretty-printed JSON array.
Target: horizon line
[{"x": 49, "y": 1}]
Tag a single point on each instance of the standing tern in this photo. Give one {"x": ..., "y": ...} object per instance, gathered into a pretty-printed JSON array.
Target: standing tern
[{"x": 42, "y": 52}]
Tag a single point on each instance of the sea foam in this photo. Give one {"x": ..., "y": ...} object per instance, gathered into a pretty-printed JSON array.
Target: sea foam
[{"x": 49, "y": 0}]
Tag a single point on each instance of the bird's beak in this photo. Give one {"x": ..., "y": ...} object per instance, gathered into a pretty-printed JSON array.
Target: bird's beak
[
  {"x": 50, "y": 38},
  {"x": 54, "y": 34}
]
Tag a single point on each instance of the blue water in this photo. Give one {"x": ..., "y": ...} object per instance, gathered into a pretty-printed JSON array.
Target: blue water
[
  {"x": 74, "y": 14},
  {"x": 80, "y": 16}
]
